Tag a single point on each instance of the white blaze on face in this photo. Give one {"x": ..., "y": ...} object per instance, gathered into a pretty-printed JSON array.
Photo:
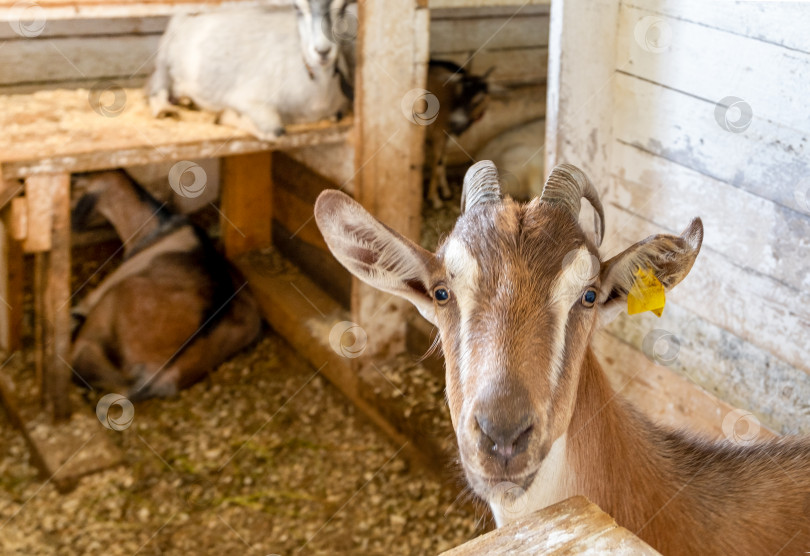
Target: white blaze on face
[
  {"x": 578, "y": 271},
  {"x": 463, "y": 272}
]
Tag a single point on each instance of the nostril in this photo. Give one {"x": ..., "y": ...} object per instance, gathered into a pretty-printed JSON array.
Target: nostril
[{"x": 506, "y": 441}]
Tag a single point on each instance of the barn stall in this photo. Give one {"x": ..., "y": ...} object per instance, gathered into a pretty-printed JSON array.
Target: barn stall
[{"x": 330, "y": 432}]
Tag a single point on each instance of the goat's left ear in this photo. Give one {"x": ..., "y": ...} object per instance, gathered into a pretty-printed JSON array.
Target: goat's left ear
[
  {"x": 375, "y": 253},
  {"x": 669, "y": 257}
]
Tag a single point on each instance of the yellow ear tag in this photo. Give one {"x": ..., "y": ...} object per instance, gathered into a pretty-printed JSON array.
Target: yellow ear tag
[{"x": 647, "y": 294}]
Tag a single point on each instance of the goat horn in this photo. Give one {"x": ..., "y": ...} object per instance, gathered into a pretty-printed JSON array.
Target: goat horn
[
  {"x": 566, "y": 186},
  {"x": 481, "y": 185}
]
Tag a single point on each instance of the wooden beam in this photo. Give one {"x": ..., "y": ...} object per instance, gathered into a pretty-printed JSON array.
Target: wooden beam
[
  {"x": 573, "y": 526},
  {"x": 388, "y": 147},
  {"x": 49, "y": 228},
  {"x": 11, "y": 285},
  {"x": 247, "y": 202},
  {"x": 581, "y": 65}
]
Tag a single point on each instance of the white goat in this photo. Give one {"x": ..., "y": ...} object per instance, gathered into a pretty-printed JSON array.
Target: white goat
[
  {"x": 518, "y": 154},
  {"x": 253, "y": 66}
]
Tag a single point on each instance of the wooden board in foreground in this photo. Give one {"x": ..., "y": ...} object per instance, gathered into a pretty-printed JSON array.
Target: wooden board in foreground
[
  {"x": 109, "y": 127},
  {"x": 573, "y": 526}
]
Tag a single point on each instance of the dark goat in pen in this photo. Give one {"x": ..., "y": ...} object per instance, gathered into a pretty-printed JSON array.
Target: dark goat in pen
[{"x": 171, "y": 313}]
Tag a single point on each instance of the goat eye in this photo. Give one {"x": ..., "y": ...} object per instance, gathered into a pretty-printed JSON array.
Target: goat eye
[
  {"x": 589, "y": 297},
  {"x": 441, "y": 295}
]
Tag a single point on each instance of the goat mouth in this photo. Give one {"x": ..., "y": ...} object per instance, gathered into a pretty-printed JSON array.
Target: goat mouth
[{"x": 492, "y": 483}]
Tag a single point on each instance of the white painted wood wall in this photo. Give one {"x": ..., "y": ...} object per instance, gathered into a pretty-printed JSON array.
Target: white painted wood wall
[{"x": 634, "y": 87}]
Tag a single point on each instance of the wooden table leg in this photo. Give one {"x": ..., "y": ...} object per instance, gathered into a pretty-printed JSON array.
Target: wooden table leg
[{"x": 247, "y": 202}]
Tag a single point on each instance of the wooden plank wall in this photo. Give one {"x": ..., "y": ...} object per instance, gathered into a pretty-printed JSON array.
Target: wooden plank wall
[
  {"x": 513, "y": 40},
  {"x": 742, "y": 317}
]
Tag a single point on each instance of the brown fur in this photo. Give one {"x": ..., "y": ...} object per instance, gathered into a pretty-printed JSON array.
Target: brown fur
[
  {"x": 162, "y": 320},
  {"x": 681, "y": 494}
]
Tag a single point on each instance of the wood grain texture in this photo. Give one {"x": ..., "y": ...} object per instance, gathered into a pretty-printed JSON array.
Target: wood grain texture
[
  {"x": 56, "y": 317},
  {"x": 74, "y": 58},
  {"x": 763, "y": 21},
  {"x": 11, "y": 286},
  {"x": 388, "y": 147},
  {"x": 573, "y": 526},
  {"x": 582, "y": 40},
  {"x": 103, "y": 9},
  {"x": 474, "y": 33},
  {"x": 247, "y": 202},
  {"x": 60, "y": 131},
  {"x": 683, "y": 129}
]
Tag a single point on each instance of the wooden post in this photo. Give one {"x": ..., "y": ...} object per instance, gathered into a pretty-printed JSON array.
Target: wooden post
[
  {"x": 49, "y": 230},
  {"x": 247, "y": 202},
  {"x": 11, "y": 285},
  {"x": 581, "y": 66},
  {"x": 392, "y": 56}
]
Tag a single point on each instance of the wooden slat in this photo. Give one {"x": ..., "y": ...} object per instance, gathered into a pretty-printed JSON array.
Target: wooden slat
[
  {"x": 582, "y": 41},
  {"x": 461, "y": 4},
  {"x": 697, "y": 62},
  {"x": 11, "y": 286},
  {"x": 516, "y": 30},
  {"x": 59, "y": 131},
  {"x": 687, "y": 133},
  {"x": 90, "y": 27},
  {"x": 56, "y": 377},
  {"x": 101, "y": 9},
  {"x": 573, "y": 526},
  {"x": 751, "y": 231},
  {"x": 764, "y": 21},
  {"x": 247, "y": 202},
  {"x": 73, "y": 58},
  {"x": 389, "y": 147}
]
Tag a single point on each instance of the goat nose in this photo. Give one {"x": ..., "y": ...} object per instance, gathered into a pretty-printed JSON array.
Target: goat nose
[{"x": 506, "y": 438}]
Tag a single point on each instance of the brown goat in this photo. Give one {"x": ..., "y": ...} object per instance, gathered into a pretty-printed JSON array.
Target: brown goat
[
  {"x": 171, "y": 313},
  {"x": 461, "y": 100},
  {"x": 517, "y": 291}
]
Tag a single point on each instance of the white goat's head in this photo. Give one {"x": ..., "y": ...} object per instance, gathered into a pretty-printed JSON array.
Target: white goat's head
[
  {"x": 319, "y": 25},
  {"x": 516, "y": 291}
]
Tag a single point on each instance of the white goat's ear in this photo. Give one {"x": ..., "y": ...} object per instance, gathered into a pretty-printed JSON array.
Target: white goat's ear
[
  {"x": 669, "y": 257},
  {"x": 375, "y": 253}
]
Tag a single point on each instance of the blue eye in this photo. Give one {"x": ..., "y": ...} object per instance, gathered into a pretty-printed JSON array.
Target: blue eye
[
  {"x": 589, "y": 298},
  {"x": 441, "y": 294}
]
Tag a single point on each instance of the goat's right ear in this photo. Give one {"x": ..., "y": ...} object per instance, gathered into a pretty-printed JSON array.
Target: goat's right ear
[{"x": 375, "y": 253}]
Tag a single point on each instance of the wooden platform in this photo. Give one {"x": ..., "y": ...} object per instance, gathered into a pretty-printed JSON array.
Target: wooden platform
[
  {"x": 61, "y": 132},
  {"x": 573, "y": 526}
]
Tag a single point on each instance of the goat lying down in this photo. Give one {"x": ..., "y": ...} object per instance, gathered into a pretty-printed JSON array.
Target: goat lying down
[
  {"x": 171, "y": 313},
  {"x": 260, "y": 68},
  {"x": 516, "y": 292}
]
